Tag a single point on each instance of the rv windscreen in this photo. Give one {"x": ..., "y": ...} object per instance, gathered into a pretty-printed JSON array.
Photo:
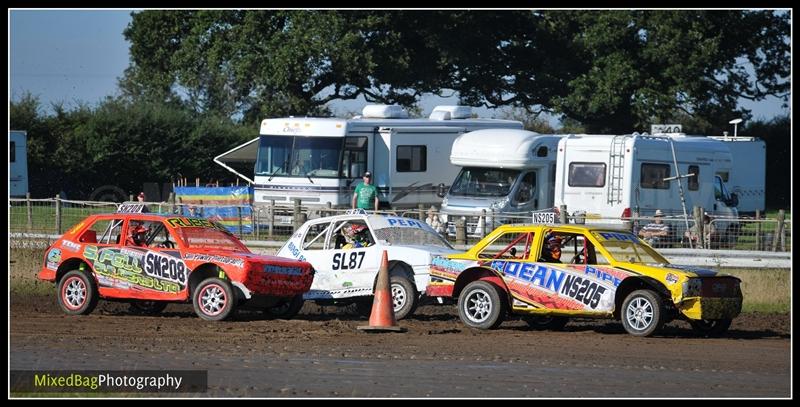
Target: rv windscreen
[
  {"x": 300, "y": 156},
  {"x": 474, "y": 181}
]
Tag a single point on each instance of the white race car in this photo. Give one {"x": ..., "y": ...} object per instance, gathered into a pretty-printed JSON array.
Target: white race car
[{"x": 346, "y": 251}]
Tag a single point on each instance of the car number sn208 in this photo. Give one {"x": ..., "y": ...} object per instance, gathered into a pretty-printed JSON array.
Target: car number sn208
[{"x": 348, "y": 261}]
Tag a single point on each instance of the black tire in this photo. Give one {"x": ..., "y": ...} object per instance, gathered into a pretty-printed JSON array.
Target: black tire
[
  {"x": 286, "y": 309},
  {"x": 213, "y": 299},
  {"x": 546, "y": 323},
  {"x": 642, "y": 313},
  {"x": 404, "y": 296},
  {"x": 482, "y": 305},
  {"x": 77, "y": 293},
  {"x": 364, "y": 307},
  {"x": 147, "y": 307},
  {"x": 710, "y": 327}
]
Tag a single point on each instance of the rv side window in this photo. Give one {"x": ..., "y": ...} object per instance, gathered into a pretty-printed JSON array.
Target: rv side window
[
  {"x": 723, "y": 176},
  {"x": 587, "y": 175},
  {"x": 354, "y": 159},
  {"x": 653, "y": 175},
  {"x": 694, "y": 180},
  {"x": 13, "y": 152},
  {"x": 412, "y": 158}
]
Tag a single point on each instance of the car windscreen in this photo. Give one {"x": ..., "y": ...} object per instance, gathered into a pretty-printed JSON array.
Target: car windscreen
[
  {"x": 411, "y": 237},
  {"x": 209, "y": 238},
  {"x": 626, "y": 247}
]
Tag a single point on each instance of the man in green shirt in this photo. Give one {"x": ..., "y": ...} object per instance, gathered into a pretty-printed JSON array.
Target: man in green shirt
[{"x": 366, "y": 194}]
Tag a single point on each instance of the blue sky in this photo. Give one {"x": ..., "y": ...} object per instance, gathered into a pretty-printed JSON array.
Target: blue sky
[{"x": 77, "y": 55}]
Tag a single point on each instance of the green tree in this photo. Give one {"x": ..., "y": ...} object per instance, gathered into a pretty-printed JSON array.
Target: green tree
[
  {"x": 776, "y": 134},
  {"x": 612, "y": 71}
]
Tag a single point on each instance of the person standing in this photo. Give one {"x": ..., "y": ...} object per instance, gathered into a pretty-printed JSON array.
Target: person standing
[{"x": 366, "y": 194}]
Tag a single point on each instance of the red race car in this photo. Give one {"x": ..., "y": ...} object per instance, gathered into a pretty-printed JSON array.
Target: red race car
[{"x": 150, "y": 260}]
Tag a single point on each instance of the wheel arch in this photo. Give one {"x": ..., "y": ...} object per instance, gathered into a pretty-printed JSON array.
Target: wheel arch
[
  {"x": 480, "y": 273},
  {"x": 74, "y": 264},
  {"x": 632, "y": 284}
]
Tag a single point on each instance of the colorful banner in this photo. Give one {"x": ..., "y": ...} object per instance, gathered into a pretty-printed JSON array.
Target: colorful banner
[{"x": 194, "y": 200}]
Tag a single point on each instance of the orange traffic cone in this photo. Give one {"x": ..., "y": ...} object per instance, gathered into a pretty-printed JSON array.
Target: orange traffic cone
[{"x": 381, "y": 318}]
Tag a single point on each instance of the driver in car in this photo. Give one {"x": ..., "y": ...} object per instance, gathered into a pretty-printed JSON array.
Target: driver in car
[{"x": 551, "y": 252}]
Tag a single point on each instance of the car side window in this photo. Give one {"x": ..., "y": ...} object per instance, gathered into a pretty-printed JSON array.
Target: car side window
[
  {"x": 314, "y": 238},
  {"x": 102, "y": 231},
  {"x": 510, "y": 245}
]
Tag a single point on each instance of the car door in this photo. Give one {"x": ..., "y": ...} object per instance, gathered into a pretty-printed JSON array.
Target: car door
[{"x": 351, "y": 268}]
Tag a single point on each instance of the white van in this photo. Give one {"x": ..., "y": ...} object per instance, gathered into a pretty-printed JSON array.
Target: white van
[
  {"x": 610, "y": 177},
  {"x": 749, "y": 176},
  {"x": 503, "y": 171},
  {"x": 320, "y": 160}
]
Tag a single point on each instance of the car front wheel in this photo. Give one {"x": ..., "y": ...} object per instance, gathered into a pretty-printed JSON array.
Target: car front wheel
[
  {"x": 546, "y": 323},
  {"x": 642, "y": 313},
  {"x": 213, "y": 299},
  {"x": 286, "y": 309},
  {"x": 710, "y": 327},
  {"x": 481, "y": 305}
]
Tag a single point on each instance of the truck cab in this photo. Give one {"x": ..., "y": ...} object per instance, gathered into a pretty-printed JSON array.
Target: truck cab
[{"x": 504, "y": 172}]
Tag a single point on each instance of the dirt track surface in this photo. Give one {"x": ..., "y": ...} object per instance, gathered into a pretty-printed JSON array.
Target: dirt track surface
[{"x": 321, "y": 354}]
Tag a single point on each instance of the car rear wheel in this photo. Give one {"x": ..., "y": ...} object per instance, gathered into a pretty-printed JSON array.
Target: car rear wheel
[
  {"x": 710, "y": 327},
  {"x": 213, "y": 299},
  {"x": 286, "y": 309},
  {"x": 77, "y": 293},
  {"x": 481, "y": 305},
  {"x": 546, "y": 323},
  {"x": 642, "y": 313},
  {"x": 147, "y": 307}
]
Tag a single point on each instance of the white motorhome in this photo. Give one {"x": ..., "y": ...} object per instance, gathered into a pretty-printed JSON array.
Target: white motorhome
[
  {"x": 747, "y": 179},
  {"x": 609, "y": 177},
  {"x": 18, "y": 162},
  {"x": 503, "y": 171},
  {"x": 318, "y": 160}
]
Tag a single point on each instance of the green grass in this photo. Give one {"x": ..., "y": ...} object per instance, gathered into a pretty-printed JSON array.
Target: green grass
[{"x": 764, "y": 290}]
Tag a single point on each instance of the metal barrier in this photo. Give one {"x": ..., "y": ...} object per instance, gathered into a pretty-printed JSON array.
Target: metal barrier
[{"x": 278, "y": 222}]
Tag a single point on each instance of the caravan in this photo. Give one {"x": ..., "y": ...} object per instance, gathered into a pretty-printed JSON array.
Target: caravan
[
  {"x": 317, "y": 160},
  {"x": 504, "y": 171},
  {"x": 611, "y": 177},
  {"x": 747, "y": 181}
]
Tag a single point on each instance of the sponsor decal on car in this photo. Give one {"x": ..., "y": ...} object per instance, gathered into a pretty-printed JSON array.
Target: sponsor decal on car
[
  {"x": 190, "y": 222},
  {"x": 671, "y": 278},
  {"x": 293, "y": 271},
  {"x": 215, "y": 258},
  {"x": 71, "y": 246},
  {"x": 584, "y": 289},
  {"x": 295, "y": 252},
  {"x": 53, "y": 259},
  {"x": 122, "y": 268},
  {"x": 405, "y": 222}
]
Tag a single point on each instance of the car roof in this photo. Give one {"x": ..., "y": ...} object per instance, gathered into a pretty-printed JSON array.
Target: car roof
[{"x": 565, "y": 227}]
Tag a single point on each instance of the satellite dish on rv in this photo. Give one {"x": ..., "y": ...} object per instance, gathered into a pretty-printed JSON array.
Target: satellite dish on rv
[{"x": 735, "y": 123}]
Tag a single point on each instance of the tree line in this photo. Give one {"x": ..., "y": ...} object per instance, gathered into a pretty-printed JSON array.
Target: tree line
[{"x": 199, "y": 82}]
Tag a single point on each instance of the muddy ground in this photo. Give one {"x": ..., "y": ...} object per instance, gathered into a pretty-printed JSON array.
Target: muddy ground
[{"x": 321, "y": 354}]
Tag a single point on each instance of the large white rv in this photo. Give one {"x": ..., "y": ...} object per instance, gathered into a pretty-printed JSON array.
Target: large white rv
[
  {"x": 506, "y": 171},
  {"x": 610, "y": 177},
  {"x": 18, "y": 162},
  {"x": 319, "y": 160},
  {"x": 747, "y": 179}
]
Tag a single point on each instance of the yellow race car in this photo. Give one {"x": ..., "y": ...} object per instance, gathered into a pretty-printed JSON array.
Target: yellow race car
[{"x": 549, "y": 273}]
